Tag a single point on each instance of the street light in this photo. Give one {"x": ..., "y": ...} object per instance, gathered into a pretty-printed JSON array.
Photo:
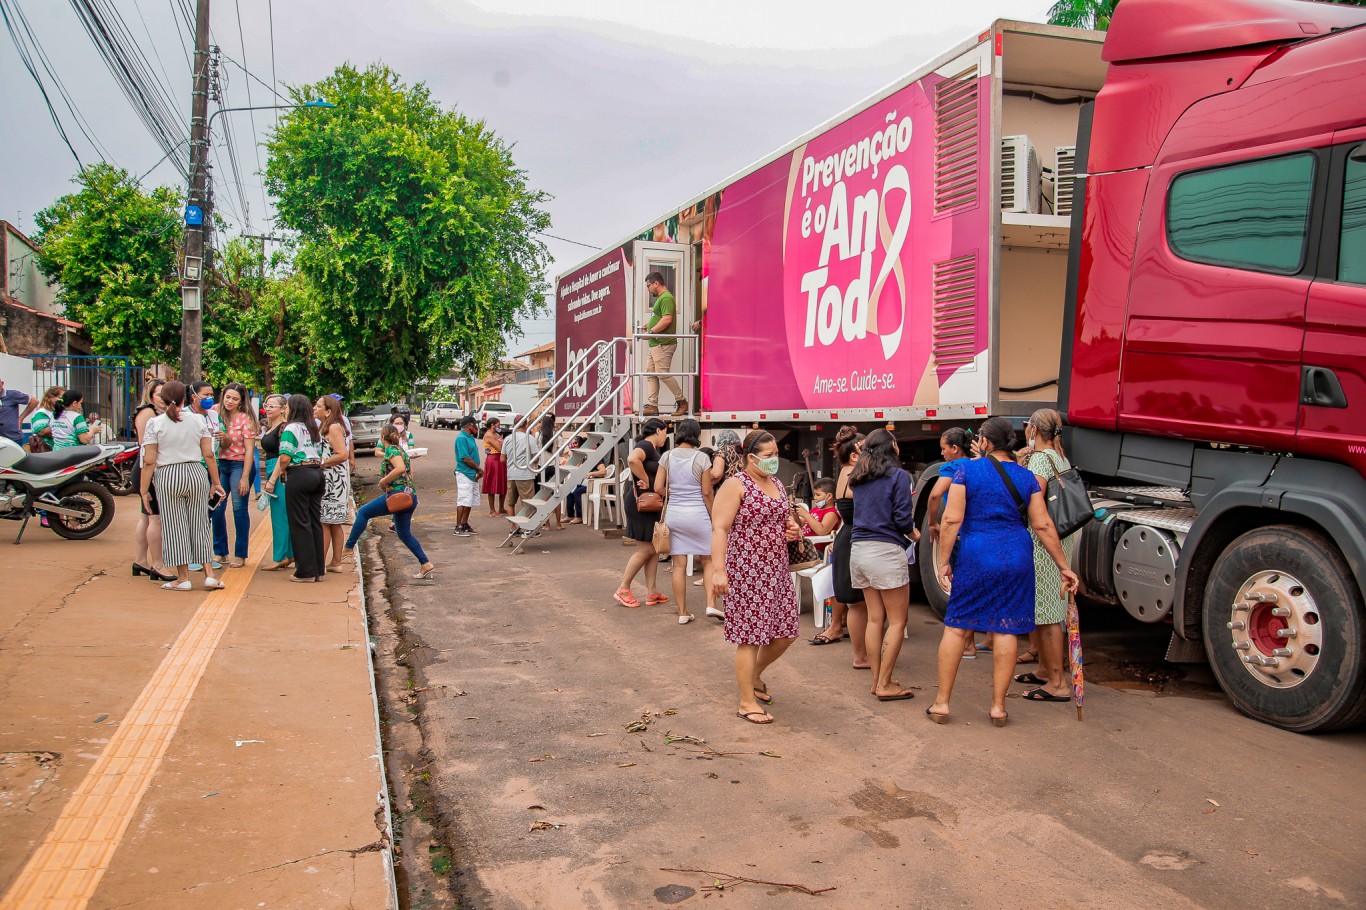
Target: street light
[{"x": 191, "y": 288}]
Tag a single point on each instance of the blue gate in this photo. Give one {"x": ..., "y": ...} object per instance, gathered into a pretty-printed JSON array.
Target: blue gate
[{"x": 112, "y": 385}]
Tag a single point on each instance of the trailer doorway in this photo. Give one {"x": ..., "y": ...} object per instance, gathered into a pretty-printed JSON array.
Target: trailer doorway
[{"x": 676, "y": 375}]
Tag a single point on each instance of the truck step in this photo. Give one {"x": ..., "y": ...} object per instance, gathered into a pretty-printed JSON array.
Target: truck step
[
  {"x": 1178, "y": 521},
  {"x": 1144, "y": 494}
]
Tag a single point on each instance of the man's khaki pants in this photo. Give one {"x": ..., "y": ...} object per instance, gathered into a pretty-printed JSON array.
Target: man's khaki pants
[{"x": 661, "y": 360}]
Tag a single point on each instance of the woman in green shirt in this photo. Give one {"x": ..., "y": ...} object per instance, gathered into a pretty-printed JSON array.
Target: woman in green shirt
[
  {"x": 68, "y": 425},
  {"x": 40, "y": 424},
  {"x": 301, "y": 457},
  {"x": 397, "y": 479}
]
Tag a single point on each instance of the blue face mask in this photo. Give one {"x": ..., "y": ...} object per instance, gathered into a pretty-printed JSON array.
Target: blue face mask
[{"x": 206, "y": 403}]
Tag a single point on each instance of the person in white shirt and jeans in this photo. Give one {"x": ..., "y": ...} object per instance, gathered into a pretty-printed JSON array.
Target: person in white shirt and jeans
[{"x": 517, "y": 451}]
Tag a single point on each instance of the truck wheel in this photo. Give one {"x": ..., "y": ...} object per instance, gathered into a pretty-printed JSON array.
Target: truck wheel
[
  {"x": 91, "y": 498},
  {"x": 1283, "y": 630},
  {"x": 927, "y": 558}
]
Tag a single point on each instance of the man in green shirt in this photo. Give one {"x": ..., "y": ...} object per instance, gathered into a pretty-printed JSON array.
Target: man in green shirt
[{"x": 663, "y": 321}]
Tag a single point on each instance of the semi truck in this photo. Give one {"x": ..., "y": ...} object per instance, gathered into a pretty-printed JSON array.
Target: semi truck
[{"x": 1159, "y": 230}]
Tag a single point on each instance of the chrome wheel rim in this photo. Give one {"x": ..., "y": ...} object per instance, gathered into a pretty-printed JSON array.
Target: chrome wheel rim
[{"x": 1277, "y": 632}]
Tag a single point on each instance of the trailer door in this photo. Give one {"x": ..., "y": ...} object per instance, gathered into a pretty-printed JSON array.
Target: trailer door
[{"x": 671, "y": 370}]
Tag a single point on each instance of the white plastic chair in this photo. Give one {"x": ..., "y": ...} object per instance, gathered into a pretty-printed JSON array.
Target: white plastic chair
[
  {"x": 603, "y": 496},
  {"x": 817, "y": 610}
]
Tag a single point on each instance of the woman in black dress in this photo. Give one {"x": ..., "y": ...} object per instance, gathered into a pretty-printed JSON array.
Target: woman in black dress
[
  {"x": 849, "y": 607},
  {"x": 640, "y": 526}
]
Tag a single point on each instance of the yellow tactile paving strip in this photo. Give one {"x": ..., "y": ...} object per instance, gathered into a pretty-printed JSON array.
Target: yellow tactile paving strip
[{"x": 65, "y": 870}]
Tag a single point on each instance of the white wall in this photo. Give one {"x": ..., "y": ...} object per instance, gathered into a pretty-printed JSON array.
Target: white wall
[{"x": 18, "y": 373}]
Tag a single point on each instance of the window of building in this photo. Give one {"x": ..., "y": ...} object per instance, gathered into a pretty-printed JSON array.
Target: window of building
[{"x": 1249, "y": 216}]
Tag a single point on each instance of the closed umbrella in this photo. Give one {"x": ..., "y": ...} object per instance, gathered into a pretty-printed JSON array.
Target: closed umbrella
[{"x": 1074, "y": 652}]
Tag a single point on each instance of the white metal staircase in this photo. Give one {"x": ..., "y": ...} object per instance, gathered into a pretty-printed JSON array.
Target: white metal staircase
[{"x": 599, "y": 419}]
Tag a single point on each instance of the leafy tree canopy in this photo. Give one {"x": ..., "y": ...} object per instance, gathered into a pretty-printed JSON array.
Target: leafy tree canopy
[
  {"x": 113, "y": 249},
  {"x": 416, "y": 232}
]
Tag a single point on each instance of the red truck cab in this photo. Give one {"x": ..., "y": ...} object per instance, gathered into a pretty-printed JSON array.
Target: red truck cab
[{"x": 1218, "y": 330}]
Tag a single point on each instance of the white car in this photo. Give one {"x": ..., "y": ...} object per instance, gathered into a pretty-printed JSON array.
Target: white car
[
  {"x": 442, "y": 414},
  {"x": 505, "y": 413}
]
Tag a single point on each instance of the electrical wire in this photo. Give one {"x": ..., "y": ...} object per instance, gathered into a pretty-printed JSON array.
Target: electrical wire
[
  {"x": 251, "y": 115},
  {"x": 567, "y": 240},
  {"x": 28, "y": 65}
]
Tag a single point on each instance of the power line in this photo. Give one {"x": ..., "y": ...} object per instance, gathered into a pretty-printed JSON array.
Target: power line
[
  {"x": 270, "y": 14},
  {"x": 251, "y": 115},
  {"x": 567, "y": 240},
  {"x": 189, "y": 29},
  {"x": 252, "y": 75},
  {"x": 28, "y": 65}
]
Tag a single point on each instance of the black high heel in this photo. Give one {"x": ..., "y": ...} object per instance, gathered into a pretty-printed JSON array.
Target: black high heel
[
  {"x": 142, "y": 570},
  {"x": 157, "y": 576}
]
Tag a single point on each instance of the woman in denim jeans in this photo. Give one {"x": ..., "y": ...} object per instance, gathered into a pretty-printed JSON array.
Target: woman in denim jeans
[
  {"x": 234, "y": 469},
  {"x": 397, "y": 479}
]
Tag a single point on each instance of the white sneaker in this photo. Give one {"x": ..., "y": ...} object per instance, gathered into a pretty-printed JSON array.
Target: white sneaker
[
  {"x": 712, "y": 611},
  {"x": 685, "y": 619}
]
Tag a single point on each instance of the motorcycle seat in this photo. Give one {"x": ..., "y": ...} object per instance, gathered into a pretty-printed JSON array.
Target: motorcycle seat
[{"x": 47, "y": 462}]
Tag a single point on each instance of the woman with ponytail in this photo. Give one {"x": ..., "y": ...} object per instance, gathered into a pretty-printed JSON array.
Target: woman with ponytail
[
  {"x": 849, "y": 616},
  {"x": 301, "y": 461},
  {"x": 177, "y": 453},
  {"x": 993, "y": 504}
]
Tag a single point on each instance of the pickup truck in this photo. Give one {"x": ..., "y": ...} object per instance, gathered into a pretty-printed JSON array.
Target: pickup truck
[
  {"x": 501, "y": 410},
  {"x": 441, "y": 414}
]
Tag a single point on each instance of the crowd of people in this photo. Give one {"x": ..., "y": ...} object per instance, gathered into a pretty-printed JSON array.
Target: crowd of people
[
  {"x": 200, "y": 454},
  {"x": 1000, "y": 557}
]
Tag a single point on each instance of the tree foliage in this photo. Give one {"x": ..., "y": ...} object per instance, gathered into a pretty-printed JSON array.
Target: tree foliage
[
  {"x": 1096, "y": 14},
  {"x": 416, "y": 233},
  {"x": 114, "y": 248}
]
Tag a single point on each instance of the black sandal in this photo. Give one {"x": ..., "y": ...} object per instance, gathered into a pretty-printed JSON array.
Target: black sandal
[
  {"x": 1029, "y": 679},
  {"x": 822, "y": 640},
  {"x": 1044, "y": 695}
]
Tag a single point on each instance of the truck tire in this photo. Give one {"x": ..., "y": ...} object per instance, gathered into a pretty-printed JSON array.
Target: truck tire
[
  {"x": 88, "y": 495},
  {"x": 1283, "y": 623},
  {"x": 927, "y": 558}
]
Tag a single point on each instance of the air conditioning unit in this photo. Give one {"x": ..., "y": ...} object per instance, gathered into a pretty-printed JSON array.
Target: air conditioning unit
[
  {"x": 1020, "y": 175},
  {"x": 1063, "y": 178}
]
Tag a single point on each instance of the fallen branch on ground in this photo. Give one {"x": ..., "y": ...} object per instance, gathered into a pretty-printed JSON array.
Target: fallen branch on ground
[{"x": 724, "y": 880}]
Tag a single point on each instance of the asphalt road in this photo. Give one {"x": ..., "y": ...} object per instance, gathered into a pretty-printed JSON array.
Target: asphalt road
[{"x": 528, "y": 676}]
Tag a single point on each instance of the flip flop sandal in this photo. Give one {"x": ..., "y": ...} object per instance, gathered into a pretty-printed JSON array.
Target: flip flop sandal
[
  {"x": 822, "y": 640},
  {"x": 902, "y": 697},
  {"x": 762, "y": 696},
  {"x": 983, "y": 649},
  {"x": 1044, "y": 695},
  {"x": 936, "y": 716},
  {"x": 1030, "y": 679},
  {"x": 750, "y": 715},
  {"x": 1033, "y": 657},
  {"x": 626, "y": 598}
]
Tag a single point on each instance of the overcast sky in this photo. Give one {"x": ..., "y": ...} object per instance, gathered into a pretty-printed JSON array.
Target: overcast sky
[{"x": 620, "y": 110}]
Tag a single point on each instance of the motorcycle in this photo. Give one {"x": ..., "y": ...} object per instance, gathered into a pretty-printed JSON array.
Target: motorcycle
[
  {"x": 117, "y": 472},
  {"x": 56, "y": 485}
]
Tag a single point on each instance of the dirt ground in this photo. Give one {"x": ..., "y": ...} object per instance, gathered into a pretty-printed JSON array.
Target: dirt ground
[{"x": 525, "y": 677}]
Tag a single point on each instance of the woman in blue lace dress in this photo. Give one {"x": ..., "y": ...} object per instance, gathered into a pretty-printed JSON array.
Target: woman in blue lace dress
[{"x": 993, "y": 503}]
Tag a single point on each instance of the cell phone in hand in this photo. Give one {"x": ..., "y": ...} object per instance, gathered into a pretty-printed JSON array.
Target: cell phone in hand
[{"x": 215, "y": 499}]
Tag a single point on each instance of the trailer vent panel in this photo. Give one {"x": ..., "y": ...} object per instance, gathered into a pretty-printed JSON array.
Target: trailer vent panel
[
  {"x": 957, "y": 138},
  {"x": 1063, "y": 179},
  {"x": 955, "y": 311}
]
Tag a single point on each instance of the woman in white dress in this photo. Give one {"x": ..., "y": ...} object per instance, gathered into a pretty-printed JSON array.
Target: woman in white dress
[{"x": 684, "y": 479}]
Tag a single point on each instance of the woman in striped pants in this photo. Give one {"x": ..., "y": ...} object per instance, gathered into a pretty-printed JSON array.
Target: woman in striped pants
[{"x": 179, "y": 453}]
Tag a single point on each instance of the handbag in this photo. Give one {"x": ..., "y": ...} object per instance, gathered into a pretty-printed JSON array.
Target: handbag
[
  {"x": 660, "y": 539},
  {"x": 801, "y": 553},
  {"x": 649, "y": 501},
  {"x": 400, "y": 501},
  {"x": 1069, "y": 505},
  {"x": 38, "y": 444}
]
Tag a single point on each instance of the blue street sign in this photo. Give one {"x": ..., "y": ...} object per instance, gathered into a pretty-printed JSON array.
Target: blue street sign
[{"x": 194, "y": 215}]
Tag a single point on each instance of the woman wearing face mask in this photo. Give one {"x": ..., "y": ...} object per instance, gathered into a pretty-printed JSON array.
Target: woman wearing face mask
[
  {"x": 282, "y": 550},
  {"x": 751, "y": 525},
  {"x": 405, "y": 437},
  {"x": 495, "y": 485},
  {"x": 337, "y": 477},
  {"x": 40, "y": 424},
  {"x": 147, "y": 540},
  {"x": 884, "y": 519},
  {"x": 991, "y": 576},
  {"x": 1047, "y": 459},
  {"x": 237, "y": 452},
  {"x": 640, "y": 526}
]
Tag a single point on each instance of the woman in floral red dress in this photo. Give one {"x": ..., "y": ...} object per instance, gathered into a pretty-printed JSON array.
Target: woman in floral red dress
[{"x": 751, "y": 525}]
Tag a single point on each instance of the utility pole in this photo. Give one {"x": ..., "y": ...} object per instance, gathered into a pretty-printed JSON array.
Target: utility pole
[{"x": 196, "y": 212}]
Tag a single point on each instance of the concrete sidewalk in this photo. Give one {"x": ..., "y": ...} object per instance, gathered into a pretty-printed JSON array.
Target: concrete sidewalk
[{"x": 162, "y": 749}]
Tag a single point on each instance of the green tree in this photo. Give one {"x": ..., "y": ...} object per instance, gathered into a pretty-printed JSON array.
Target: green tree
[
  {"x": 1096, "y": 14},
  {"x": 256, "y": 309},
  {"x": 113, "y": 248},
  {"x": 417, "y": 233}
]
